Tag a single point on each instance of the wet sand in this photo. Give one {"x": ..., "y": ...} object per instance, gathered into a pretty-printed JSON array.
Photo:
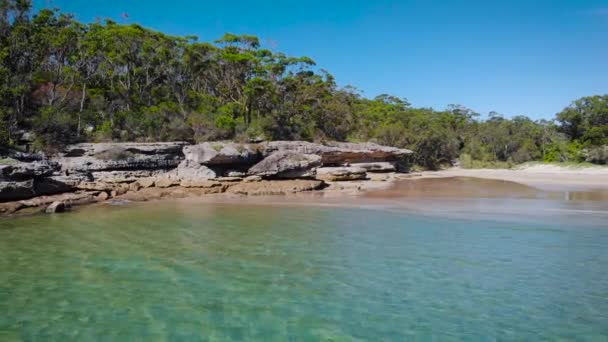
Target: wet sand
[
  {"x": 455, "y": 187},
  {"x": 457, "y": 197}
]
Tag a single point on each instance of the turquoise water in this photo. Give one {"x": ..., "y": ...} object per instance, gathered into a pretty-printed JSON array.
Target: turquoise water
[{"x": 198, "y": 271}]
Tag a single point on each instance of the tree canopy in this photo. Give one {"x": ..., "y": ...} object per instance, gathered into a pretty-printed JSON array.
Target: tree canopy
[{"x": 66, "y": 81}]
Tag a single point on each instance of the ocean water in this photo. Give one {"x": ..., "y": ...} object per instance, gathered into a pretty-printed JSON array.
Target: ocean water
[{"x": 200, "y": 271}]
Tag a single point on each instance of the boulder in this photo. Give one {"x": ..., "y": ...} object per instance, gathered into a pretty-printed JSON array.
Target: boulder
[
  {"x": 376, "y": 167},
  {"x": 51, "y": 186},
  {"x": 147, "y": 182},
  {"x": 338, "y": 174},
  {"x": 55, "y": 207},
  {"x": 222, "y": 153},
  {"x": 13, "y": 191},
  {"x": 287, "y": 164},
  {"x": 190, "y": 170},
  {"x": 135, "y": 186},
  {"x": 20, "y": 190},
  {"x": 103, "y": 196},
  {"x": 118, "y": 191}
]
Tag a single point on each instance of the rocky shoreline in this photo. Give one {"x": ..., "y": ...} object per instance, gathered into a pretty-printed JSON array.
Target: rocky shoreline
[{"x": 90, "y": 173}]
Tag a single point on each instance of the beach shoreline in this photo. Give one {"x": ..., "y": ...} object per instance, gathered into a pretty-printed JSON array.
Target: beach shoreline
[{"x": 547, "y": 177}]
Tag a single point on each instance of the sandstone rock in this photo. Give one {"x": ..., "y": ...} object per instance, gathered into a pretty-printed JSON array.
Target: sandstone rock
[
  {"x": 20, "y": 190},
  {"x": 20, "y": 156},
  {"x": 135, "y": 186},
  {"x": 121, "y": 156},
  {"x": 165, "y": 182},
  {"x": 123, "y": 176},
  {"x": 24, "y": 171},
  {"x": 252, "y": 179},
  {"x": 276, "y": 187},
  {"x": 376, "y": 167},
  {"x": 55, "y": 207},
  {"x": 336, "y": 153},
  {"x": 12, "y": 191},
  {"x": 148, "y": 194},
  {"x": 50, "y": 186},
  {"x": 222, "y": 153},
  {"x": 117, "y": 191},
  {"x": 10, "y": 207},
  {"x": 42, "y": 202},
  {"x": 287, "y": 164},
  {"x": 337, "y": 174},
  {"x": 229, "y": 179},
  {"x": 191, "y": 170},
  {"x": 99, "y": 149},
  {"x": 67, "y": 198},
  {"x": 71, "y": 180},
  {"x": 199, "y": 184},
  {"x": 103, "y": 196},
  {"x": 95, "y": 186},
  {"x": 146, "y": 182}
]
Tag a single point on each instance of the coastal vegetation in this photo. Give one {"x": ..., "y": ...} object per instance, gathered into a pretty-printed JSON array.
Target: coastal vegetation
[{"x": 63, "y": 81}]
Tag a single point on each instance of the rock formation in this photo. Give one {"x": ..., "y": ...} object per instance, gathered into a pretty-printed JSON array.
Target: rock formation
[
  {"x": 339, "y": 174},
  {"x": 287, "y": 164},
  {"x": 98, "y": 172}
]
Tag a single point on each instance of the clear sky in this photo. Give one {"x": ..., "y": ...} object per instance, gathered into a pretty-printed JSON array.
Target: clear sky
[{"x": 530, "y": 57}]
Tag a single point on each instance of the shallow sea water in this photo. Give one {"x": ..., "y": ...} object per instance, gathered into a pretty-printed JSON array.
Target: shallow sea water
[{"x": 189, "y": 271}]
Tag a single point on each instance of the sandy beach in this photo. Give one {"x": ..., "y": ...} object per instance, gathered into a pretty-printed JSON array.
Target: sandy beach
[{"x": 550, "y": 177}]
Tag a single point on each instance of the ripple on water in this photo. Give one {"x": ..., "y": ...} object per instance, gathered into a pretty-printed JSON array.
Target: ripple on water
[{"x": 198, "y": 271}]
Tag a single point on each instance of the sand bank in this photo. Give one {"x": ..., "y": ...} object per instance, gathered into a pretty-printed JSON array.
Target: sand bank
[{"x": 549, "y": 177}]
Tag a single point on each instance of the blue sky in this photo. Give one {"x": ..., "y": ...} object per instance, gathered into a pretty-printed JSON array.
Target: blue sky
[{"x": 530, "y": 57}]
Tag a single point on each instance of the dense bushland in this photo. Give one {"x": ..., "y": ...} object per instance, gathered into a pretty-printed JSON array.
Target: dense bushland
[{"x": 62, "y": 81}]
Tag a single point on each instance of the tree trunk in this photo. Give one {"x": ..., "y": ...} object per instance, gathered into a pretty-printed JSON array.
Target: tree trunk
[{"x": 82, "y": 98}]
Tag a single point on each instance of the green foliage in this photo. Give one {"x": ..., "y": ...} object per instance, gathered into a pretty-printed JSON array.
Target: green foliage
[
  {"x": 467, "y": 162},
  {"x": 597, "y": 155},
  {"x": 68, "y": 82}
]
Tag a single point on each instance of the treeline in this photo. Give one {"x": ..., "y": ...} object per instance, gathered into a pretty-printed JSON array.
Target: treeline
[{"x": 62, "y": 81}]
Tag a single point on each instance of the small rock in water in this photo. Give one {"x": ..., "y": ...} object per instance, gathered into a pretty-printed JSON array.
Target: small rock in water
[
  {"x": 102, "y": 196},
  {"x": 55, "y": 207}
]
